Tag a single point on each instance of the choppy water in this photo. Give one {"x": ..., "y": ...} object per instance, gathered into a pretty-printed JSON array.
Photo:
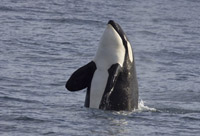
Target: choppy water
[{"x": 43, "y": 41}]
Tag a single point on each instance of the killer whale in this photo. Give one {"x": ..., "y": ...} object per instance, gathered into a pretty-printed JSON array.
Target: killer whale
[{"x": 110, "y": 78}]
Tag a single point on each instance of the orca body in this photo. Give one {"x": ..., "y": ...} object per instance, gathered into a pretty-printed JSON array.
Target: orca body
[{"x": 110, "y": 78}]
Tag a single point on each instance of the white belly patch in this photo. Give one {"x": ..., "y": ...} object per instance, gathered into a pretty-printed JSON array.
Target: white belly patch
[{"x": 97, "y": 87}]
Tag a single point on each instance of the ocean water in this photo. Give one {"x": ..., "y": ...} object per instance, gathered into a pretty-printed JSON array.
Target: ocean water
[{"x": 43, "y": 41}]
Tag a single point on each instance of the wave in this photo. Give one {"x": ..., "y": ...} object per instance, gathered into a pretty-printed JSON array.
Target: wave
[
  {"x": 189, "y": 118},
  {"x": 77, "y": 21},
  {"x": 31, "y": 119},
  {"x": 7, "y": 98},
  {"x": 173, "y": 110}
]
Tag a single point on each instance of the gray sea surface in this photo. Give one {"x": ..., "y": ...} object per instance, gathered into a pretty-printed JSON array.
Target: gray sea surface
[{"x": 43, "y": 41}]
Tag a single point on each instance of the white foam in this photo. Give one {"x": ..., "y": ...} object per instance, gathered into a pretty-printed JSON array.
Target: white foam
[{"x": 142, "y": 107}]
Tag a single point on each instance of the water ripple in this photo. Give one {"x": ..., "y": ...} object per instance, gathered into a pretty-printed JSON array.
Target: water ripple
[{"x": 6, "y": 98}]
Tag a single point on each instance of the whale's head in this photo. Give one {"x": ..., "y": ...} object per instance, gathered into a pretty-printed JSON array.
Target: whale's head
[
  {"x": 118, "y": 30},
  {"x": 114, "y": 43},
  {"x": 113, "y": 35}
]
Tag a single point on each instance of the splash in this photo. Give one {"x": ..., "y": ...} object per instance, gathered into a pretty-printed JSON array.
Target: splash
[{"x": 142, "y": 107}]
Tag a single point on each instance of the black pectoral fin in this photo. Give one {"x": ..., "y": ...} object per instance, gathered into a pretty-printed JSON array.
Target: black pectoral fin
[
  {"x": 114, "y": 72},
  {"x": 81, "y": 78}
]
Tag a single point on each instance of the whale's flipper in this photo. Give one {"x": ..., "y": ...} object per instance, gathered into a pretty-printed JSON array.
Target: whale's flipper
[
  {"x": 114, "y": 72},
  {"x": 81, "y": 78}
]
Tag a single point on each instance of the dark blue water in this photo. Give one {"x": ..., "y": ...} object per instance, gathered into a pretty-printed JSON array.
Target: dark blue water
[{"x": 43, "y": 41}]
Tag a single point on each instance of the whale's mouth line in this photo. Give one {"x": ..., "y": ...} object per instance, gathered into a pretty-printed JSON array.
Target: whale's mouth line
[
  {"x": 119, "y": 30},
  {"x": 115, "y": 26}
]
